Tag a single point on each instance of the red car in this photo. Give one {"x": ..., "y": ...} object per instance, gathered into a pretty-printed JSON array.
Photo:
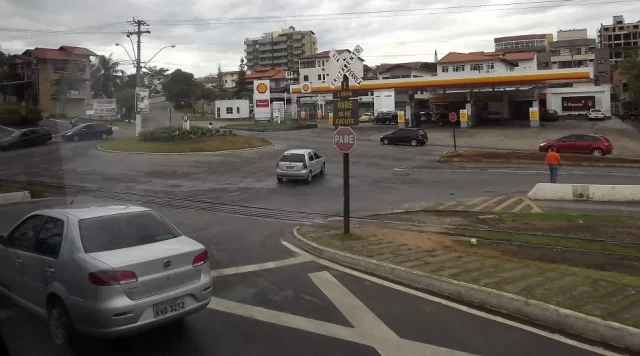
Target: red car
[{"x": 590, "y": 144}]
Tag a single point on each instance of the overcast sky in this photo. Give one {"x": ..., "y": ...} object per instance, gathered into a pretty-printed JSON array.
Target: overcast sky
[{"x": 211, "y": 32}]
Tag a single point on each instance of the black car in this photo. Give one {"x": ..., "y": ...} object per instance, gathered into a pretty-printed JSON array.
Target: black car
[
  {"x": 411, "y": 136},
  {"x": 26, "y": 138},
  {"x": 442, "y": 118},
  {"x": 549, "y": 116},
  {"x": 87, "y": 132},
  {"x": 386, "y": 117}
]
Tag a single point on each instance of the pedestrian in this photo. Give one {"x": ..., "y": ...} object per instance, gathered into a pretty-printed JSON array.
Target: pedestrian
[
  {"x": 210, "y": 125},
  {"x": 553, "y": 161}
]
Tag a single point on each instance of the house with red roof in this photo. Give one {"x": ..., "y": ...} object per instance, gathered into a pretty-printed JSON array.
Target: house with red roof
[
  {"x": 279, "y": 78},
  {"x": 407, "y": 70},
  {"x": 49, "y": 67}
]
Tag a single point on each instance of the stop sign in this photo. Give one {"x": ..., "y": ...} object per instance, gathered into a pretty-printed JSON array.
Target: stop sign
[
  {"x": 453, "y": 117},
  {"x": 344, "y": 139}
]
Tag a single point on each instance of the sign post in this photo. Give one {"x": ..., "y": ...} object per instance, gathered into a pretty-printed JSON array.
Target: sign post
[
  {"x": 344, "y": 139},
  {"x": 453, "y": 118}
]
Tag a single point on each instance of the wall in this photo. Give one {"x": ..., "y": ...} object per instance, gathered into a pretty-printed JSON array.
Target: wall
[
  {"x": 229, "y": 80},
  {"x": 571, "y": 34},
  {"x": 527, "y": 65},
  {"x": 498, "y": 67},
  {"x": 240, "y": 109},
  {"x": 404, "y": 72},
  {"x": 46, "y": 77},
  {"x": 601, "y": 93},
  {"x": 329, "y": 68}
]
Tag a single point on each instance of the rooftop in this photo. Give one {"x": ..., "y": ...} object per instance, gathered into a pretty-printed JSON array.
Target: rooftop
[
  {"x": 325, "y": 54},
  {"x": 267, "y": 73},
  {"x": 384, "y": 67},
  {"x": 456, "y": 57},
  {"x": 537, "y": 36},
  {"x": 64, "y": 52}
]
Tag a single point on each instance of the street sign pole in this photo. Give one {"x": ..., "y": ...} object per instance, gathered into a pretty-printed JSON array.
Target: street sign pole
[
  {"x": 455, "y": 147},
  {"x": 346, "y": 209}
]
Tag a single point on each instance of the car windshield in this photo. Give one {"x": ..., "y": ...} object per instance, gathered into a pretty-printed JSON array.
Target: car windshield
[
  {"x": 80, "y": 127},
  {"x": 292, "y": 158},
  {"x": 596, "y": 110},
  {"x": 113, "y": 232},
  {"x": 16, "y": 134}
]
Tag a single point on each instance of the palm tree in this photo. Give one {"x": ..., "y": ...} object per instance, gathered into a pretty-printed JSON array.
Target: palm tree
[{"x": 105, "y": 76}]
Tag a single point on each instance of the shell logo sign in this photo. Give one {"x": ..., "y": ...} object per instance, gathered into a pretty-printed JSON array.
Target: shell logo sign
[
  {"x": 306, "y": 88},
  {"x": 262, "y": 88}
]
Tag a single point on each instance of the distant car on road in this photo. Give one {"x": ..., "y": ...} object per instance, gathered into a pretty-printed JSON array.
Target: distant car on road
[
  {"x": 103, "y": 271},
  {"x": 366, "y": 117},
  {"x": 25, "y": 138},
  {"x": 88, "y": 132},
  {"x": 596, "y": 114},
  {"x": 386, "y": 117},
  {"x": 549, "y": 116},
  {"x": 411, "y": 136},
  {"x": 301, "y": 164},
  {"x": 597, "y": 145}
]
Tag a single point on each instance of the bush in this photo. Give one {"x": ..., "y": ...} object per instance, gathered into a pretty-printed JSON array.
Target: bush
[
  {"x": 172, "y": 133},
  {"x": 17, "y": 115}
]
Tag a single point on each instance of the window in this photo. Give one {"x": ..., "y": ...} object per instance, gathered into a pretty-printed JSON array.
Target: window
[
  {"x": 50, "y": 238},
  {"x": 476, "y": 67},
  {"x": 316, "y": 155},
  {"x": 445, "y": 69},
  {"x": 310, "y": 156},
  {"x": 305, "y": 78},
  {"x": 229, "y": 110},
  {"x": 24, "y": 236},
  {"x": 458, "y": 68},
  {"x": 319, "y": 76},
  {"x": 225, "y": 81},
  {"x": 491, "y": 65},
  {"x": 112, "y": 232},
  {"x": 292, "y": 158},
  {"x": 237, "y": 109}
]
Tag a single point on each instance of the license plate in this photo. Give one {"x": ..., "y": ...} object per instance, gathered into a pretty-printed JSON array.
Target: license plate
[
  {"x": 289, "y": 167},
  {"x": 168, "y": 308}
]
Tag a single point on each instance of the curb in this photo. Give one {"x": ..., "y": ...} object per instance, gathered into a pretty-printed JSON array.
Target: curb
[
  {"x": 295, "y": 128},
  {"x": 519, "y": 161},
  {"x": 542, "y": 313},
  {"x": 15, "y": 197},
  {"x": 188, "y": 153}
]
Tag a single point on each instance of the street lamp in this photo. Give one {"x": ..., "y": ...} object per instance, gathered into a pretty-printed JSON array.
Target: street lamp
[
  {"x": 154, "y": 56},
  {"x": 127, "y": 52}
]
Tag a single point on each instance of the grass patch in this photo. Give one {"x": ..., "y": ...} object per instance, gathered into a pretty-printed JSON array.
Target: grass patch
[
  {"x": 568, "y": 218},
  {"x": 263, "y": 125},
  {"x": 33, "y": 189},
  {"x": 548, "y": 241},
  {"x": 208, "y": 144}
]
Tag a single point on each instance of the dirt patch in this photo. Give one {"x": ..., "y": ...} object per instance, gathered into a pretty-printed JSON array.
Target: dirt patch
[{"x": 536, "y": 158}]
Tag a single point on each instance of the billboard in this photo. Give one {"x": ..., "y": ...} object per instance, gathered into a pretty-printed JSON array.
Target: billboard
[
  {"x": 142, "y": 100},
  {"x": 100, "y": 107},
  {"x": 578, "y": 103},
  {"x": 261, "y": 99}
]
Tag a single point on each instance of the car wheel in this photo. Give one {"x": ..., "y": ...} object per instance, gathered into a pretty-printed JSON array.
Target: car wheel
[
  {"x": 280, "y": 180},
  {"x": 310, "y": 177},
  {"x": 76, "y": 138},
  {"x": 550, "y": 148},
  {"x": 385, "y": 141},
  {"x": 386, "y": 122},
  {"x": 105, "y": 136},
  {"x": 597, "y": 152},
  {"x": 323, "y": 169},
  {"x": 414, "y": 143},
  {"x": 60, "y": 324}
]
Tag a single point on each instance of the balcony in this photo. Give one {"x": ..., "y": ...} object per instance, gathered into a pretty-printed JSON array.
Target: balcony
[
  {"x": 280, "y": 46},
  {"x": 280, "y": 60},
  {"x": 297, "y": 44},
  {"x": 265, "y": 55},
  {"x": 573, "y": 57},
  {"x": 297, "y": 52},
  {"x": 249, "y": 49}
]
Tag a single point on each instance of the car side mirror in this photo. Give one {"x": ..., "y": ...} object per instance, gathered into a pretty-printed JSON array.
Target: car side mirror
[{"x": 2, "y": 239}]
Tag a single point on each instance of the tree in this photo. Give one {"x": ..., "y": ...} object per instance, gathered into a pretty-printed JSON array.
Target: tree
[
  {"x": 105, "y": 76},
  {"x": 156, "y": 73},
  {"x": 181, "y": 88},
  {"x": 220, "y": 80},
  {"x": 630, "y": 68},
  {"x": 60, "y": 88},
  {"x": 125, "y": 97},
  {"x": 241, "y": 82}
]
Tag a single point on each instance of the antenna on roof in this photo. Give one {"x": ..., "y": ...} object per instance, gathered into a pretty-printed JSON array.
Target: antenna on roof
[{"x": 72, "y": 200}]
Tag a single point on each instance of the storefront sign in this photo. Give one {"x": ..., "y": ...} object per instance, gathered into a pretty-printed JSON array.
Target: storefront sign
[
  {"x": 346, "y": 110},
  {"x": 533, "y": 114},
  {"x": 578, "y": 103},
  {"x": 463, "y": 115},
  {"x": 262, "y": 99}
]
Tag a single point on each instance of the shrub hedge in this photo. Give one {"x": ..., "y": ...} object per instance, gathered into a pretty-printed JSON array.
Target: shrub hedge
[
  {"x": 17, "y": 115},
  {"x": 172, "y": 133}
]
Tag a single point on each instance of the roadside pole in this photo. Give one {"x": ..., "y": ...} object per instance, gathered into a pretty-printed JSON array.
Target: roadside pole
[
  {"x": 169, "y": 115},
  {"x": 346, "y": 208},
  {"x": 453, "y": 118}
]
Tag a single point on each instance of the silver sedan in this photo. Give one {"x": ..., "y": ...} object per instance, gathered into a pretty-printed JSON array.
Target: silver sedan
[
  {"x": 103, "y": 271},
  {"x": 300, "y": 164}
]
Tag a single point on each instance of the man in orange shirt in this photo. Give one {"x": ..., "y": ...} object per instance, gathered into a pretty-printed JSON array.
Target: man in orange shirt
[{"x": 553, "y": 161}]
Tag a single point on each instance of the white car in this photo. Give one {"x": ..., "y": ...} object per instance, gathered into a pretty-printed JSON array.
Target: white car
[
  {"x": 596, "y": 114},
  {"x": 301, "y": 164},
  {"x": 103, "y": 271}
]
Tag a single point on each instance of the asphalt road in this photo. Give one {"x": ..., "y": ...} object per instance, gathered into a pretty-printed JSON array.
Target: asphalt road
[
  {"x": 233, "y": 205},
  {"x": 305, "y": 307}
]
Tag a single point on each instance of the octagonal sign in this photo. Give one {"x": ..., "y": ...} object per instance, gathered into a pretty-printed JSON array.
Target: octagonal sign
[{"x": 344, "y": 139}]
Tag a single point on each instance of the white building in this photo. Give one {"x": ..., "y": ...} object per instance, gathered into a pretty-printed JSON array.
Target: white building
[
  {"x": 319, "y": 69},
  {"x": 457, "y": 64},
  {"x": 406, "y": 70},
  {"x": 232, "y": 109}
]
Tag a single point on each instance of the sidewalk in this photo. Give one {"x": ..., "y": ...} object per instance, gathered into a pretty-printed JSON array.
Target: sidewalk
[{"x": 611, "y": 296}]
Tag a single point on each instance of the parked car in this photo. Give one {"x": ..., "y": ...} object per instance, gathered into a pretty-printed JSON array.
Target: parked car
[
  {"x": 442, "y": 118},
  {"x": 549, "y": 116},
  {"x": 494, "y": 116},
  {"x": 25, "y": 138},
  {"x": 597, "y": 145},
  {"x": 366, "y": 117},
  {"x": 596, "y": 114},
  {"x": 411, "y": 136},
  {"x": 103, "y": 271},
  {"x": 386, "y": 117},
  {"x": 87, "y": 132},
  {"x": 301, "y": 164},
  {"x": 424, "y": 116}
]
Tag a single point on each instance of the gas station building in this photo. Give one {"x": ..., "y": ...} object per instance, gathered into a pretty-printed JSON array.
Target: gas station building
[{"x": 480, "y": 83}]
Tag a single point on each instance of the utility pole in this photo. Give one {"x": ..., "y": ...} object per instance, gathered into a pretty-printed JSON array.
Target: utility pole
[{"x": 138, "y": 33}]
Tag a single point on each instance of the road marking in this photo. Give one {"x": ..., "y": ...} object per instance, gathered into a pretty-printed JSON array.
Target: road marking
[
  {"x": 387, "y": 344},
  {"x": 479, "y": 208},
  {"x": 451, "y": 304},
  {"x": 447, "y": 205},
  {"x": 522, "y": 205},
  {"x": 533, "y": 206},
  {"x": 260, "y": 266},
  {"x": 504, "y": 205},
  {"x": 475, "y": 201},
  {"x": 564, "y": 172}
]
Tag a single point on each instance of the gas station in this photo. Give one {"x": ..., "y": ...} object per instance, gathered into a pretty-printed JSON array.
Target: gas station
[{"x": 516, "y": 95}]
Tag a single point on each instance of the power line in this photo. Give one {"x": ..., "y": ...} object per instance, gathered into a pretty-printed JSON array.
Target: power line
[{"x": 33, "y": 34}]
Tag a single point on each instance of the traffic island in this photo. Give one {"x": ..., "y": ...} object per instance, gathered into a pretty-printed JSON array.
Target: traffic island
[
  {"x": 517, "y": 157},
  {"x": 270, "y": 126},
  {"x": 564, "y": 278},
  {"x": 201, "y": 145}
]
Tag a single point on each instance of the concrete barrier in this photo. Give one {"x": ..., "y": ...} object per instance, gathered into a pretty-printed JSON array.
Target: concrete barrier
[
  {"x": 8, "y": 198},
  {"x": 594, "y": 192}
]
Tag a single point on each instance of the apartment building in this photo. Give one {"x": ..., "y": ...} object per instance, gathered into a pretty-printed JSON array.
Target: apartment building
[
  {"x": 407, "y": 70},
  {"x": 319, "y": 68},
  {"x": 523, "y": 43},
  {"x": 619, "y": 37},
  {"x": 282, "y": 49},
  {"x": 49, "y": 66},
  {"x": 574, "y": 49}
]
